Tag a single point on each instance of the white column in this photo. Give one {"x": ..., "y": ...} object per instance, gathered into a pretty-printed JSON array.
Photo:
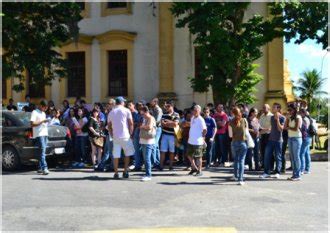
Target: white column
[
  {"x": 55, "y": 91},
  {"x": 95, "y": 81}
]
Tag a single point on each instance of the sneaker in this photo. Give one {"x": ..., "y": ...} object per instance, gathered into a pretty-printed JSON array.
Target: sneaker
[
  {"x": 199, "y": 173},
  {"x": 241, "y": 183},
  {"x": 131, "y": 167},
  {"x": 307, "y": 172},
  {"x": 39, "y": 171},
  {"x": 277, "y": 176},
  {"x": 81, "y": 165},
  {"x": 192, "y": 172},
  {"x": 116, "y": 176},
  {"x": 125, "y": 175},
  {"x": 146, "y": 178},
  {"x": 45, "y": 172},
  {"x": 246, "y": 167},
  {"x": 296, "y": 178},
  {"x": 264, "y": 176}
]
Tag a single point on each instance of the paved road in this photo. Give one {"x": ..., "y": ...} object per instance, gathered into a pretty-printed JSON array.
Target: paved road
[{"x": 84, "y": 200}]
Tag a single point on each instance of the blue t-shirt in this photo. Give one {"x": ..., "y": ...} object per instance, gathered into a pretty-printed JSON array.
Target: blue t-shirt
[{"x": 210, "y": 125}]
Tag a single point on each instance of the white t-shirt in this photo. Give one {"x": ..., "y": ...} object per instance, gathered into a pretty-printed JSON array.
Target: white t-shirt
[
  {"x": 197, "y": 125},
  {"x": 40, "y": 130},
  {"x": 292, "y": 123},
  {"x": 119, "y": 119}
]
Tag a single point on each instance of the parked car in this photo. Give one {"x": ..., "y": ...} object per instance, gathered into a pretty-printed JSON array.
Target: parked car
[{"x": 17, "y": 142}]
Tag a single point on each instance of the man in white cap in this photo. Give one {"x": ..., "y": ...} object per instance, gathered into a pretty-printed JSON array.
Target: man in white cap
[{"x": 120, "y": 124}]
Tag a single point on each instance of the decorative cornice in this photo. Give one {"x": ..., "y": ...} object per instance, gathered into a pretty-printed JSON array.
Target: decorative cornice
[
  {"x": 84, "y": 39},
  {"x": 115, "y": 35}
]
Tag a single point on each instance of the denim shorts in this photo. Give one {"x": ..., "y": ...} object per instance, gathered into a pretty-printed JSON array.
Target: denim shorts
[{"x": 167, "y": 143}]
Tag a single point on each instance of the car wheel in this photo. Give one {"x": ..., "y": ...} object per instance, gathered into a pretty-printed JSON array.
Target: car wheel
[{"x": 10, "y": 159}]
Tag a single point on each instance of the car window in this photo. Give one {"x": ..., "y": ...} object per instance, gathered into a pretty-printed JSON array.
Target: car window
[{"x": 23, "y": 117}]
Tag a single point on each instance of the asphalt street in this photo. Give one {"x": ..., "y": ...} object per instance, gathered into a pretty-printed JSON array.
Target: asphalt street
[{"x": 76, "y": 200}]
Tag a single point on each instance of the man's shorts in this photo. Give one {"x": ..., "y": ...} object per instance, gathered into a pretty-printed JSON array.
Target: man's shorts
[
  {"x": 122, "y": 143},
  {"x": 195, "y": 151},
  {"x": 167, "y": 143}
]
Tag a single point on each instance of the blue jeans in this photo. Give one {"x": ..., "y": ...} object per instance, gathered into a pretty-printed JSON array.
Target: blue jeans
[
  {"x": 294, "y": 144},
  {"x": 223, "y": 144},
  {"x": 80, "y": 148},
  {"x": 107, "y": 152},
  {"x": 305, "y": 156},
  {"x": 155, "y": 158},
  {"x": 276, "y": 148},
  {"x": 41, "y": 143},
  {"x": 209, "y": 151},
  {"x": 147, "y": 151},
  {"x": 254, "y": 153},
  {"x": 239, "y": 149},
  {"x": 137, "y": 154}
]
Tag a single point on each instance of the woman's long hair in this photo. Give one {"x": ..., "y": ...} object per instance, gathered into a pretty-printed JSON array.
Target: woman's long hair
[{"x": 237, "y": 116}]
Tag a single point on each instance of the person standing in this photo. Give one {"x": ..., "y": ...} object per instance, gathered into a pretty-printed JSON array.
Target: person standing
[
  {"x": 196, "y": 141},
  {"x": 121, "y": 126},
  {"x": 40, "y": 134},
  {"x": 147, "y": 139},
  {"x": 96, "y": 138},
  {"x": 81, "y": 139},
  {"x": 221, "y": 119},
  {"x": 254, "y": 131},
  {"x": 137, "y": 121},
  {"x": 157, "y": 113},
  {"x": 11, "y": 106},
  {"x": 265, "y": 127},
  {"x": 305, "y": 156},
  {"x": 275, "y": 141},
  {"x": 169, "y": 121},
  {"x": 30, "y": 106},
  {"x": 210, "y": 135},
  {"x": 108, "y": 144},
  {"x": 293, "y": 124},
  {"x": 237, "y": 132}
]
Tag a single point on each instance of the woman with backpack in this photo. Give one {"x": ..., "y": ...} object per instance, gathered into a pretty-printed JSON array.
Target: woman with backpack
[
  {"x": 147, "y": 139},
  {"x": 307, "y": 134},
  {"x": 81, "y": 138},
  {"x": 293, "y": 124}
]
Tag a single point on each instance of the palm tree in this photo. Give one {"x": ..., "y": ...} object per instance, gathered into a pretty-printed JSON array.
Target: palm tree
[{"x": 310, "y": 85}]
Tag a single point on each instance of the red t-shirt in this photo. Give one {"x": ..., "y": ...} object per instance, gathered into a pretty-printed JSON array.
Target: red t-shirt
[{"x": 221, "y": 117}]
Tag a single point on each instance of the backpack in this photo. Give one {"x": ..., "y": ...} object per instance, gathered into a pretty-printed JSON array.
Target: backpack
[{"x": 311, "y": 129}]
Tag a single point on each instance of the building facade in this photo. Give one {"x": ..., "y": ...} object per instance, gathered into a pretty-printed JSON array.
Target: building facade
[{"x": 135, "y": 50}]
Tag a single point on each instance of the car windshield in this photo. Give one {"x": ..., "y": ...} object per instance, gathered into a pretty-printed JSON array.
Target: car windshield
[{"x": 23, "y": 117}]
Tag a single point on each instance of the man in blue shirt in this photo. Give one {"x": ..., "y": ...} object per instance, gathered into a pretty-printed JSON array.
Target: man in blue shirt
[{"x": 209, "y": 137}]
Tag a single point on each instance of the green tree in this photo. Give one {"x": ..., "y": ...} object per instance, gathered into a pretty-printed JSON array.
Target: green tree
[
  {"x": 31, "y": 32},
  {"x": 309, "y": 85},
  {"x": 229, "y": 42}
]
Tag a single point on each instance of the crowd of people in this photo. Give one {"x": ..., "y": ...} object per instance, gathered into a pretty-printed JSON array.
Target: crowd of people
[{"x": 152, "y": 136}]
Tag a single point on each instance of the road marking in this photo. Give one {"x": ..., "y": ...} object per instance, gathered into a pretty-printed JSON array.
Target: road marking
[{"x": 175, "y": 230}]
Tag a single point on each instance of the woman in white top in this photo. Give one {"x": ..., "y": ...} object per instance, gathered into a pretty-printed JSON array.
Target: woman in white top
[
  {"x": 293, "y": 125},
  {"x": 147, "y": 139}
]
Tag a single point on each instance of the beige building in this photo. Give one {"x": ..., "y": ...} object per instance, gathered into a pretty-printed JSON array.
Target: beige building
[{"x": 135, "y": 50}]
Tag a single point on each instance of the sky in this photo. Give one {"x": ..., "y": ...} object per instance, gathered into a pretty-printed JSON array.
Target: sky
[{"x": 307, "y": 56}]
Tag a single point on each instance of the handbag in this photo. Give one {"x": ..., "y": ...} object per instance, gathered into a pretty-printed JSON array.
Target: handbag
[
  {"x": 249, "y": 139},
  {"x": 148, "y": 134},
  {"x": 98, "y": 141}
]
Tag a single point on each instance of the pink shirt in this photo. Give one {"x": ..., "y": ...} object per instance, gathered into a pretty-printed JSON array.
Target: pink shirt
[
  {"x": 119, "y": 119},
  {"x": 221, "y": 117}
]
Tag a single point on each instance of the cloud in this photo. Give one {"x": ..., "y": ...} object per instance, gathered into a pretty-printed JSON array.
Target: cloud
[{"x": 311, "y": 50}]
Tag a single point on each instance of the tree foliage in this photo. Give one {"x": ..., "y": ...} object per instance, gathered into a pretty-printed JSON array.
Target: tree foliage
[
  {"x": 31, "y": 32},
  {"x": 310, "y": 85},
  {"x": 229, "y": 42}
]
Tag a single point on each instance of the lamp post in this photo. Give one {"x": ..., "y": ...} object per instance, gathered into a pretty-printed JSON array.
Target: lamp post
[{"x": 319, "y": 105}]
